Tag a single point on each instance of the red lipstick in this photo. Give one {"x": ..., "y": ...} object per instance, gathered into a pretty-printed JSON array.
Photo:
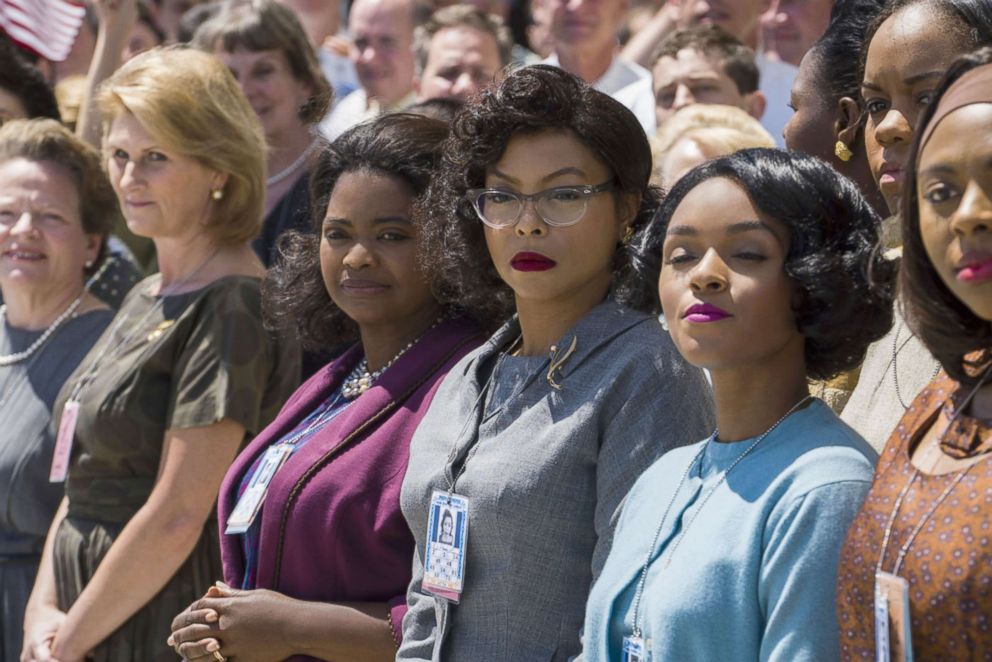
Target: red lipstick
[
  {"x": 704, "y": 312},
  {"x": 528, "y": 261}
]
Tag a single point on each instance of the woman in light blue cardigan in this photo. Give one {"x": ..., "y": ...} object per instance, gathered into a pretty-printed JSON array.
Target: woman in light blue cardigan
[
  {"x": 537, "y": 435},
  {"x": 728, "y": 549}
]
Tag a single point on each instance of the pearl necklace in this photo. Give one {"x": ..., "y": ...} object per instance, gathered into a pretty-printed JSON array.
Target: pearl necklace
[
  {"x": 293, "y": 167},
  {"x": 17, "y": 357},
  {"x": 360, "y": 379}
]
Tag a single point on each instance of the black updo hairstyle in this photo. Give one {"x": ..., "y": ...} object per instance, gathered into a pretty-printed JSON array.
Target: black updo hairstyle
[
  {"x": 528, "y": 101},
  {"x": 959, "y": 339},
  {"x": 400, "y": 145},
  {"x": 844, "y": 285}
]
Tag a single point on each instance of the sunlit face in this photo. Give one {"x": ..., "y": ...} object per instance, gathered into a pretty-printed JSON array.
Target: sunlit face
[
  {"x": 460, "y": 62},
  {"x": 741, "y": 18},
  {"x": 11, "y": 107},
  {"x": 954, "y": 194},
  {"x": 163, "y": 194},
  {"x": 723, "y": 288},
  {"x": 382, "y": 34},
  {"x": 43, "y": 246},
  {"x": 906, "y": 58},
  {"x": 793, "y": 26},
  {"x": 810, "y": 129},
  {"x": 368, "y": 252},
  {"x": 588, "y": 23},
  {"x": 542, "y": 262},
  {"x": 691, "y": 77},
  {"x": 270, "y": 87}
]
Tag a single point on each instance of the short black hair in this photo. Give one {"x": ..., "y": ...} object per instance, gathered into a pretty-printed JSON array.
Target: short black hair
[
  {"x": 735, "y": 59},
  {"x": 530, "y": 100},
  {"x": 947, "y": 327},
  {"x": 841, "y": 44},
  {"x": 845, "y": 285},
  {"x": 23, "y": 80},
  {"x": 401, "y": 145}
]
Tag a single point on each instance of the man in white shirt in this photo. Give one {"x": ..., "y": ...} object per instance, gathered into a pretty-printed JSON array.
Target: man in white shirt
[
  {"x": 382, "y": 51},
  {"x": 585, "y": 37}
]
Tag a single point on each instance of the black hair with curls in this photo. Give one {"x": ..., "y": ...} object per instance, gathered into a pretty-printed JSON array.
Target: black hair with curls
[
  {"x": 841, "y": 43},
  {"x": 400, "y": 145},
  {"x": 845, "y": 286},
  {"x": 531, "y": 100},
  {"x": 947, "y": 327}
]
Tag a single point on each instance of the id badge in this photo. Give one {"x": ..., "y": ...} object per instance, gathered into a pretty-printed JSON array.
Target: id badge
[
  {"x": 635, "y": 650},
  {"x": 63, "y": 442},
  {"x": 250, "y": 503},
  {"x": 893, "y": 636},
  {"x": 447, "y": 533}
]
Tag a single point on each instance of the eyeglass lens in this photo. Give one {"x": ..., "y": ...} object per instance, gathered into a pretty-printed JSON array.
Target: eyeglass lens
[{"x": 554, "y": 206}]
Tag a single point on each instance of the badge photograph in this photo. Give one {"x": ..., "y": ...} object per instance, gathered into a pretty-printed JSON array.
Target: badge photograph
[
  {"x": 893, "y": 639},
  {"x": 447, "y": 531}
]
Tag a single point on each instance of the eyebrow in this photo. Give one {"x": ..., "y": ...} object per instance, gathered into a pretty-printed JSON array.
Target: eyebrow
[
  {"x": 382, "y": 220},
  {"x": 570, "y": 170},
  {"x": 734, "y": 228},
  {"x": 912, "y": 80}
]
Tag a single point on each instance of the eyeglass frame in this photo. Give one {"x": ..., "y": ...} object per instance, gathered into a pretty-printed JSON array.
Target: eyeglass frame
[{"x": 473, "y": 195}]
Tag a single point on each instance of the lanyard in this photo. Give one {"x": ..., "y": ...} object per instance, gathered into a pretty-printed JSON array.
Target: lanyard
[
  {"x": 642, "y": 580},
  {"x": 887, "y": 534}
]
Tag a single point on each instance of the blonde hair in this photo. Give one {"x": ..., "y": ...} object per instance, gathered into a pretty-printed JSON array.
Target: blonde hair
[
  {"x": 190, "y": 102},
  {"x": 715, "y": 129}
]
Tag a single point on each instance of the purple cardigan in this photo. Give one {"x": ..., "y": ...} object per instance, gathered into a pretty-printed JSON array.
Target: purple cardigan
[{"x": 331, "y": 528}]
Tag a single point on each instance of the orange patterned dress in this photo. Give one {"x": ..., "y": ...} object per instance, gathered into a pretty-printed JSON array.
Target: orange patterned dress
[{"x": 949, "y": 564}]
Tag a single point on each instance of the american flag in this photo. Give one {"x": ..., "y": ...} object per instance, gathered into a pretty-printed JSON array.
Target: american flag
[{"x": 47, "y": 27}]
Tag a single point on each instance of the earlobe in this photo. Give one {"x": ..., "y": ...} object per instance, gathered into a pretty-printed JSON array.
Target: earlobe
[
  {"x": 848, "y": 121},
  {"x": 756, "y": 104}
]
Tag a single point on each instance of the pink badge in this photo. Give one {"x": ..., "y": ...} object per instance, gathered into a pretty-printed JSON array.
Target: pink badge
[{"x": 63, "y": 442}]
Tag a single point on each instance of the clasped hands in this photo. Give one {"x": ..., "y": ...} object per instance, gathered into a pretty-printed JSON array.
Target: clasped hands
[{"x": 244, "y": 626}]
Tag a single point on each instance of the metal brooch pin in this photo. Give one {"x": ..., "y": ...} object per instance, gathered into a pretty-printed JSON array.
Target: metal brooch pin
[{"x": 557, "y": 363}]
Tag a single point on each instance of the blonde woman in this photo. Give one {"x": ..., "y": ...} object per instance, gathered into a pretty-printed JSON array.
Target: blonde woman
[{"x": 154, "y": 415}]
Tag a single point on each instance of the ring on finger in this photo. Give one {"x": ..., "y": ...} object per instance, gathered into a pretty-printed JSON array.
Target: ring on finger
[{"x": 219, "y": 657}]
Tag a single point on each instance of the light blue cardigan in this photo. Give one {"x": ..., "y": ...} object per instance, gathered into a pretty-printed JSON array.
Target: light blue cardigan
[
  {"x": 754, "y": 577},
  {"x": 545, "y": 481}
]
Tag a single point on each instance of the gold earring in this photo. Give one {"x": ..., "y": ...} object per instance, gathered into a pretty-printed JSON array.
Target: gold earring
[
  {"x": 628, "y": 234},
  {"x": 842, "y": 151},
  {"x": 217, "y": 193}
]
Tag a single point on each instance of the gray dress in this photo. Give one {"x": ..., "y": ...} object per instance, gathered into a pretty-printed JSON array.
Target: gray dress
[
  {"x": 27, "y": 438},
  {"x": 546, "y": 473}
]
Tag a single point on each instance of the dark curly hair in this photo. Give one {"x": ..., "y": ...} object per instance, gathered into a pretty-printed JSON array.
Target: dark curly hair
[
  {"x": 947, "y": 327},
  {"x": 400, "y": 145},
  {"x": 845, "y": 286},
  {"x": 530, "y": 100}
]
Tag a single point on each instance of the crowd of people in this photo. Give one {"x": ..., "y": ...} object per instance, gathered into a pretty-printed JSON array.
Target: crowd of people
[{"x": 511, "y": 330}]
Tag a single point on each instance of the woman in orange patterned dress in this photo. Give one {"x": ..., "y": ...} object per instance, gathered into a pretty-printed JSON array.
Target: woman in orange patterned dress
[{"x": 918, "y": 559}]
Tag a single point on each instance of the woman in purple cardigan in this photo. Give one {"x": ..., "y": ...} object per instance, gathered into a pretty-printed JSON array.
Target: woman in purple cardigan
[{"x": 316, "y": 551}]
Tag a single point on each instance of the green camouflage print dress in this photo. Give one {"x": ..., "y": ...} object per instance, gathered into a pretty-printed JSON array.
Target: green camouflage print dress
[{"x": 181, "y": 361}]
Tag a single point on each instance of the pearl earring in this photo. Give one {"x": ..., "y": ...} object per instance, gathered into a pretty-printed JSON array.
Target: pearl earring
[
  {"x": 89, "y": 264},
  {"x": 217, "y": 194},
  {"x": 663, "y": 321}
]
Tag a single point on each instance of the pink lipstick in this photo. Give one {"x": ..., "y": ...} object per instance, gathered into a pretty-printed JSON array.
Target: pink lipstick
[
  {"x": 528, "y": 261},
  {"x": 976, "y": 269},
  {"x": 704, "y": 312}
]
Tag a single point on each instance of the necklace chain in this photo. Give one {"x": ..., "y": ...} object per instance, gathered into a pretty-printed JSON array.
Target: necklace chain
[
  {"x": 887, "y": 533},
  {"x": 293, "y": 167},
  {"x": 678, "y": 488}
]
